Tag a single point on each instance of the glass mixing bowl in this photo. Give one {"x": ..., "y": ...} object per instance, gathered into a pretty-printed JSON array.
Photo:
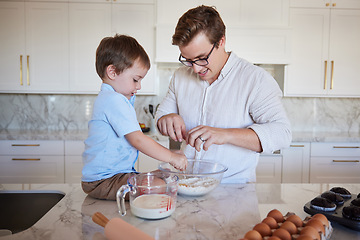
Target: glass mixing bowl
[{"x": 199, "y": 178}]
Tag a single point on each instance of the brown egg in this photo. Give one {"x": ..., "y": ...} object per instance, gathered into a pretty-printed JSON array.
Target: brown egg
[
  {"x": 271, "y": 222},
  {"x": 263, "y": 229},
  {"x": 322, "y": 218},
  {"x": 277, "y": 215},
  {"x": 311, "y": 232},
  {"x": 304, "y": 237},
  {"x": 253, "y": 235},
  {"x": 282, "y": 234},
  {"x": 295, "y": 219},
  {"x": 274, "y": 238},
  {"x": 317, "y": 224},
  {"x": 289, "y": 226}
]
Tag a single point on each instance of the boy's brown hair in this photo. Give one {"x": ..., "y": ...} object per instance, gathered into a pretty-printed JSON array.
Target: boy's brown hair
[
  {"x": 120, "y": 51},
  {"x": 200, "y": 19}
]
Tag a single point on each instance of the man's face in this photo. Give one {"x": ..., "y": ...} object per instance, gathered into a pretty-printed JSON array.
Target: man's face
[{"x": 199, "y": 48}]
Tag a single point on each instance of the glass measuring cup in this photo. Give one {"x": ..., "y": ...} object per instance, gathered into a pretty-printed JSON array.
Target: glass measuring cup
[{"x": 152, "y": 195}]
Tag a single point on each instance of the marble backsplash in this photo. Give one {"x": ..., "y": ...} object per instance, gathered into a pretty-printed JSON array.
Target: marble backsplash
[{"x": 72, "y": 112}]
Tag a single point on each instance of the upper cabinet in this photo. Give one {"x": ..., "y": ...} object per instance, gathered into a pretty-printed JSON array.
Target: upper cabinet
[
  {"x": 324, "y": 52},
  {"x": 34, "y": 47},
  {"x": 50, "y": 46},
  {"x": 255, "y": 30}
]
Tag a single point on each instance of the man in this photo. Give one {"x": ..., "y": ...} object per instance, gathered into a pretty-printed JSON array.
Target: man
[{"x": 226, "y": 109}]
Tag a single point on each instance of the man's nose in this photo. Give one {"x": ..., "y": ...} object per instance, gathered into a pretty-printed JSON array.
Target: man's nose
[{"x": 196, "y": 68}]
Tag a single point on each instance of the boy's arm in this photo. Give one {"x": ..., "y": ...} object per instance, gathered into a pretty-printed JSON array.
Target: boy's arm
[{"x": 150, "y": 147}]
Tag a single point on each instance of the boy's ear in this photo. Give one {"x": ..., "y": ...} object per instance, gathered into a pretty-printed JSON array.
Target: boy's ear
[{"x": 111, "y": 72}]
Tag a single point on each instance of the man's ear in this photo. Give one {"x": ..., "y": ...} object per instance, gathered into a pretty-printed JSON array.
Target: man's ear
[{"x": 111, "y": 72}]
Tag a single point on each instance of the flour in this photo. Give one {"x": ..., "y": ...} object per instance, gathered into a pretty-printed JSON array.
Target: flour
[{"x": 196, "y": 186}]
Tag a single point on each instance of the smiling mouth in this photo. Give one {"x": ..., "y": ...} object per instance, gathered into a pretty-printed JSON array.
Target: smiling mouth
[{"x": 203, "y": 73}]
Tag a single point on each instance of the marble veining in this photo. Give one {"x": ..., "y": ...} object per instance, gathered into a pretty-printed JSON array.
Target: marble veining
[
  {"x": 61, "y": 112},
  {"x": 226, "y": 213}
]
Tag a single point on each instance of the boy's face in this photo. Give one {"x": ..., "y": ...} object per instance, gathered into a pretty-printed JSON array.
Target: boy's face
[
  {"x": 129, "y": 81},
  {"x": 200, "y": 47}
]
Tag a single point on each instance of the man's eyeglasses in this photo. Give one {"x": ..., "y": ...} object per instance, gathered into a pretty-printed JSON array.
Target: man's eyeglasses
[{"x": 199, "y": 62}]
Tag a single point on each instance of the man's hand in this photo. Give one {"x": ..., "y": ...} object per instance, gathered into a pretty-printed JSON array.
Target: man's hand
[
  {"x": 172, "y": 125},
  {"x": 207, "y": 135}
]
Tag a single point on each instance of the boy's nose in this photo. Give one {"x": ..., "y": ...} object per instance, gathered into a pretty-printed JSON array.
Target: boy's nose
[{"x": 138, "y": 85}]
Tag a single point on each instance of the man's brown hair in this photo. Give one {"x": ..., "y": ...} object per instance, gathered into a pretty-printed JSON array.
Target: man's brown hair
[
  {"x": 120, "y": 51},
  {"x": 200, "y": 19}
]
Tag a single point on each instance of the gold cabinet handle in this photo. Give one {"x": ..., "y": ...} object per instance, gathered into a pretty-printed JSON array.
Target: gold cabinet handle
[
  {"x": 21, "y": 73},
  {"x": 332, "y": 75},
  {"x": 27, "y": 71},
  {"x": 346, "y": 161},
  {"x": 325, "y": 75},
  {"x": 346, "y": 147},
  {"x": 327, "y": 4},
  {"x": 25, "y": 145},
  {"x": 26, "y": 159},
  {"x": 334, "y": 4},
  {"x": 297, "y": 146}
]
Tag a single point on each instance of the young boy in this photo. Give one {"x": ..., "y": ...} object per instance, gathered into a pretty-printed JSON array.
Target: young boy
[{"x": 115, "y": 137}]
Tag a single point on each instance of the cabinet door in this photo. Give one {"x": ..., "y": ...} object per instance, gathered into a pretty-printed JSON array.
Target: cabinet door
[
  {"x": 73, "y": 161},
  {"x": 89, "y": 23},
  {"x": 268, "y": 169},
  {"x": 138, "y": 21},
  {"x": 148, "y": 164},
  {"x": 295, "y": 167},
  {"x": 344, "y": 55},
  {"x": 47, "y": 46},
  {"x": 309, "y": 53},
  {"x": 12, "y": 45}
]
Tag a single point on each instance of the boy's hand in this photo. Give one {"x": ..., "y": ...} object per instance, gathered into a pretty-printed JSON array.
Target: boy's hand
[{"x": 178, "y": 160}]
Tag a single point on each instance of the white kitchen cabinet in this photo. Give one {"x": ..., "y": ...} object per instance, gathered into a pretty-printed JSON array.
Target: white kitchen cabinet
[
  {"x": 34, "y": 47},
  {"x": 324, "y": 59},
  {"x": 347, "y": 4},
  {"x": 148, "y": 164},
  {"x": 269, "y": 168},
  {"x": 296, "y": 163},
  {"x": 89, "y": 23},
  {"x": 73, "y": 161},
  {"x": 138, "y": 21},
  {"x": 49, "y": 47},
  {"x": 31, "y": 161},
  {"x": 256, "y": 30},
  {"x": 335, "y": 163}
]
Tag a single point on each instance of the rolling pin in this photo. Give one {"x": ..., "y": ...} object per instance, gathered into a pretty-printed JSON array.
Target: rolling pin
[{"x": 118, "y": 229}]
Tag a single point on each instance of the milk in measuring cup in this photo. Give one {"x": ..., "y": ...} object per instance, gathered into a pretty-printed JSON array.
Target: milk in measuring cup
[{"x": 152, "y": 206}]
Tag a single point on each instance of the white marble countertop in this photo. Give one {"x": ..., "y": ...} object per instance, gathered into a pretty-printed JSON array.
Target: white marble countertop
[{"x": 226, "y": 213}]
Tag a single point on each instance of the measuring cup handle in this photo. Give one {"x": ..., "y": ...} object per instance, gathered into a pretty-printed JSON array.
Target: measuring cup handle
[{"x": 120, "y": 198}]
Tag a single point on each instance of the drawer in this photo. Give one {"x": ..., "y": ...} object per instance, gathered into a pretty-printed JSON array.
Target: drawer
[
  {"x": 34, "y": 169},
  {"x": 74, "y": 148},
  {"x": 335, "y": 149},
  {"x": 335, "y": 169},
  {"x": 31, "y": 147}
]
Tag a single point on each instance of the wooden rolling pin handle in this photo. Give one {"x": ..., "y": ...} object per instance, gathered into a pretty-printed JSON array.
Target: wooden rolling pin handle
[{"x": 100, "y": 219}]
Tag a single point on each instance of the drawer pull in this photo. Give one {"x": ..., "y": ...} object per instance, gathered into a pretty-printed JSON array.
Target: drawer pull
[
  {"x": 346, "y": 147},
  {"x": 346, "y": 161},
  {"x": 25, "y": 145},
  {"x": 26, "y": 159},
  {"x": 297, "y": 146}
]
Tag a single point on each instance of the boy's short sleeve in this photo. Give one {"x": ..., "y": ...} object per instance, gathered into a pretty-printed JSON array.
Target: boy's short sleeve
[{"x": 121, "y": 115}]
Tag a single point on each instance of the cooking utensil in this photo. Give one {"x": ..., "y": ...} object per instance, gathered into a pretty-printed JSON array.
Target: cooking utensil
[
  {"x": 151, "y": 110},
  {"x": 118, "y": 229}
]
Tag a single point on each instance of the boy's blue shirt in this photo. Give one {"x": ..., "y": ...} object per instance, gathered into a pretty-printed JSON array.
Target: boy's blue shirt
[{"x": 107, "y": 152}]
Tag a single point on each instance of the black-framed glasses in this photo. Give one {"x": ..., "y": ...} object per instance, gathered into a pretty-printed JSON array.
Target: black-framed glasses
[{"x": 199, "y": 62}]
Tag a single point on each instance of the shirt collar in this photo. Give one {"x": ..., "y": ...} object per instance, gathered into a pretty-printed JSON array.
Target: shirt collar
[
  {"x": 107, "y": 87},
  {"x": 228, "y": 66}
]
